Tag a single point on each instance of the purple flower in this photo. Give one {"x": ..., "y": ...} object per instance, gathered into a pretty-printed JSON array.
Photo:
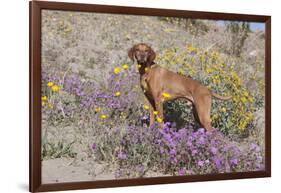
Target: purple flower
[
  {"x": 173, "y": 152},
  {"x": 214, "y": 150},
  {"x": 259, "y": 158},
  {"x": 234, "y": 162},
  {"x": 253, "y": 146},
  {"x": 218, "y": 163},
  {"x": 144, "y": 118},
  {"x": 94, "y": 146},
  {"x": 201, "y": 130},
  {"x": 121, "y": 155},
  {"x": 167, "y": 124},
  {"x": 182, "y": 172},
  {"x": 194, "y": 152},
  {"x": 182, "y": 132},
  {"x": 200, "y": 163},
  {"x": 140, "y": 168},
  {"x": 201, "y": 140},
  {"x": 189, "y": 143}
]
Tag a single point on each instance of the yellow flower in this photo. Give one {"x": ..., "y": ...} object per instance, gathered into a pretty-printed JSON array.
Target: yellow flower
[
  {"x": 215, "y": 117},
  {"x": 118, "y": 93},
  {"x": 251, "y": 99},
  {"x": 97, "y": 109},
  {"x": 145, "y": 69},
  {"x": 159, "y": 120},
  {"x": 146, "y": 107},
  {"x": 103, "y": 116},
  {"x": 155, "y": 112},
  {"x": 181, "y": 72},
  {"x": 223, "y": 109},
  {"x": 138, "y": 66},
  {"x": 50, "y": 106},
  {"x": 116, "y": 70},
  {"x": 245, "y": 93},
  {"x": 55, "y": 88},
  {"x": 43, "y": 98},
  {"x": 125, "y": 66},
  {"x": 43, "y": 103},
  {"x": 209, "y": 70},
  {"x": 243, "y": 99},
  {"x": 166, "y": 95},
  {"x": 50, "y": 84}
]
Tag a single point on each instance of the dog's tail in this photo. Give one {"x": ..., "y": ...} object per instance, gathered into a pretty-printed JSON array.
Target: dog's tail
[{"x": 221, "y": 97}]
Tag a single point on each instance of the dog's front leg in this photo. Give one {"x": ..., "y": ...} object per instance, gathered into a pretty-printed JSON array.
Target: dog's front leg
[
  {"x": 152, "y": 108},
  {"x": 160, "y": 115},
  {"x": 152, "y": 117}
]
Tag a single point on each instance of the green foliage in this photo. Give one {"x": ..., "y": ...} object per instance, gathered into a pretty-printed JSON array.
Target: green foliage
[{"x": 57, "y": 150}]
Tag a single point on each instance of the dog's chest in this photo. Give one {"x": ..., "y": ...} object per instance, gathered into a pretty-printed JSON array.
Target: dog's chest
[{"x": 144, "y": 83}]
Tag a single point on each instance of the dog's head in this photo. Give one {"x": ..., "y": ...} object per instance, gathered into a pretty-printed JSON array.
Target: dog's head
[{"x": 143, "y": 53}]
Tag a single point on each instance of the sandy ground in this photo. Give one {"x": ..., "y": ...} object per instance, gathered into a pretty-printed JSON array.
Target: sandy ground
[
  {"x": 63, "y": 170},
  {"x": 71, "y": 170}
]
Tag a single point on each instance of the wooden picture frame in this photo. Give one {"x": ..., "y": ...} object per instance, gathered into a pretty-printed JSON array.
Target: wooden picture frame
[{"x": 35, "y": 181}]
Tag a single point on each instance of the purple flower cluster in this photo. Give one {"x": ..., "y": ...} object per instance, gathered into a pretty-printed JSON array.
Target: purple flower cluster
[{"x": 185, "y": 151}]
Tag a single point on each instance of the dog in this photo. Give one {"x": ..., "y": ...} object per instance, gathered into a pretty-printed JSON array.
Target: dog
[{"x": 160, "y": 85}]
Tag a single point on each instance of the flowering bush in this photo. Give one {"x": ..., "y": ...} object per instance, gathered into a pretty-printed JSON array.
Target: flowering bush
[
  {"x": 220, "y": 76},
  {"x": 137, "y": 150}
]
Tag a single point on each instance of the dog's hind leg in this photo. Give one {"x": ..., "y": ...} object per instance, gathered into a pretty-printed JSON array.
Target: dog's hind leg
[
  {"x": 203, "y": 108},
  {"x": 195, "y": 114}
]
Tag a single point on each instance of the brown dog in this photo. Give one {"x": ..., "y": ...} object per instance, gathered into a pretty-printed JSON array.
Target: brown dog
[{"x": 160, "y": 85}]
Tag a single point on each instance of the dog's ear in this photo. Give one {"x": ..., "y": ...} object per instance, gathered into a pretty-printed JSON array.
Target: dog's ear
[
  {"x": 151, "y": 56},
  {"x": 131, "y": 53}
]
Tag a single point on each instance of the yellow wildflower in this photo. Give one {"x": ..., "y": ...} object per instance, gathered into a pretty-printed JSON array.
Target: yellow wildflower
[
  {"x": 159, "y": 120},
  {"x": 138, "y": 66},
  {"x": 118, "y": 93},
  {"x": 166, "y": 95},
  {"x": 55, "y": 88},
  {"x": 243, "y": 99},
  {"x": 146, "y": 69},
  {"x": 209, "y": 70},
  {"x": 251, "y": 99},
  {"x": 181, "y": 72},
  {"x": 155, "y": 112},
  {"x": 97, "y": 109},
  {"x": 43, "y": 103},
  {"x": 43, "y": 98},
  {"x": 125, "y": 66},
  {"x": 215, "y": 117},
  {"x": 116, "y": 70},
  {"x": 146, "y": 107},
  {"x": 245, "y": 93},
  {"x": 50, "y": 106},
  {"x": 223, "y": 109},
  {"x": 50, "y": 84},
  {"x": 103, "y": 116}
]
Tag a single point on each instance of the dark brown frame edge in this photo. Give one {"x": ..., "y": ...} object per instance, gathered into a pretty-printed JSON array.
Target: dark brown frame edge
[{"x": 35, "y": 8}]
